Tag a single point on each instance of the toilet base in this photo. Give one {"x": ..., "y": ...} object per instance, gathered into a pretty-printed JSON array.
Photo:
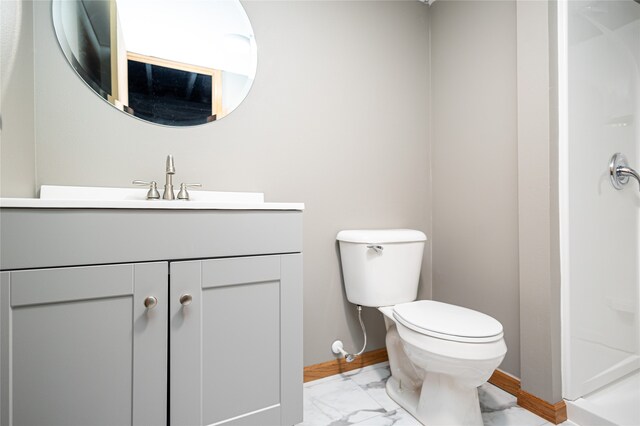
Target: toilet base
[
  {"x": 439, "y": 402},
  {"x": 406, "y": 398}
]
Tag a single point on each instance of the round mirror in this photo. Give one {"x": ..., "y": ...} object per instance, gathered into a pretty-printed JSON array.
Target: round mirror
[{"x": 169, "y": 62}]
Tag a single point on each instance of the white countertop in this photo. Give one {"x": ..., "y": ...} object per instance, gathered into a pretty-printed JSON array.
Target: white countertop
[
  {"x": 79, "y": 197},
  {"x": 38, "y": 203}
]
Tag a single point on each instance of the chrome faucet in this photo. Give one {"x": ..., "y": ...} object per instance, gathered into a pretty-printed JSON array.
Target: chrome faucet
[{"x": 168, "y": 185}]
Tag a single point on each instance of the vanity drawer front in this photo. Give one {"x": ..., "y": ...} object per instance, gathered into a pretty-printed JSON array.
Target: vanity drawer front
[{"x": 32, "y": 238}]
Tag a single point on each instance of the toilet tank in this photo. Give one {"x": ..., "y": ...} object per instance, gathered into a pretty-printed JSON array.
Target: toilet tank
[{"x": 381, "y": 267}]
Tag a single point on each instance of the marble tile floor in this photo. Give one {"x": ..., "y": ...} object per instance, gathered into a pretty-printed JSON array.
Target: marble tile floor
[{"x": 359, "y": 398}]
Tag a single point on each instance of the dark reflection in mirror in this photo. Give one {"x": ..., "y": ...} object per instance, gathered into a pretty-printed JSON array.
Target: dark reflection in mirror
[
  {"x": 170, "y": 62},
  {"x": 168, "y": 95}
]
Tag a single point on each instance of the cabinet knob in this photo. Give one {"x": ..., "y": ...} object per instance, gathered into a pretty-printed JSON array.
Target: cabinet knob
[
  {"x": 150, "y": 302},
  {"x": 186, "y": 299}
]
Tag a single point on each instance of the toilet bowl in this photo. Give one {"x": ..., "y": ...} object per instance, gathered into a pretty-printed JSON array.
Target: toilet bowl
[
  {"x": 438, "y": 353},
  {"x": 445, "y": 371}
]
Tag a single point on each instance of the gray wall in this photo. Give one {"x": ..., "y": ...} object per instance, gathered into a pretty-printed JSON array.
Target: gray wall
[
  {"x": 17, "y": 138},
  {"x": 337, "y": 119},
  {"x": 474, "y": 166},
  {"x": 538, "y": 201}
]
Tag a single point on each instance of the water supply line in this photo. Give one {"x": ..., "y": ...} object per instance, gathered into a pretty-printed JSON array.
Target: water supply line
[{"x": 338, "y": 348}]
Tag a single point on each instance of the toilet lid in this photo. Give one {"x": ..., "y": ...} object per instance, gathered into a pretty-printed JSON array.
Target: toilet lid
[{"x": 448, "y": 322}]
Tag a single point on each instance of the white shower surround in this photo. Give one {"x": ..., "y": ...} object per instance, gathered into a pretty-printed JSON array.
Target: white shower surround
[{"x": 599, "y": 106}]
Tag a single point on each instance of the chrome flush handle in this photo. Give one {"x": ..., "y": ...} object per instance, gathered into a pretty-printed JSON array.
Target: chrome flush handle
[
  {"x": 619, "y": 171},
  {"x": 377, "y": 248}
]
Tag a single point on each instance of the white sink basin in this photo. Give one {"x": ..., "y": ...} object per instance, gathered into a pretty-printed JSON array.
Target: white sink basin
[
  {"x": 52, "y": 196},
  {"x": 54, "y": 192}
]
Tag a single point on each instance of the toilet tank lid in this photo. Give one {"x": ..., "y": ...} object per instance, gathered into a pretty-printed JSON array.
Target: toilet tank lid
[{"x": 380, "y": 236}]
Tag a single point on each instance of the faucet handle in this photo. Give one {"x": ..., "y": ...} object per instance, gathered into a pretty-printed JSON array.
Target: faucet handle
[
  {"x": 184, "y": 194},
  {"x": 153, "y": 193}
]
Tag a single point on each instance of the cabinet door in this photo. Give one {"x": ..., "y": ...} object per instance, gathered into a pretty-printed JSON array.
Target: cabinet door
[
  {"x": 236, "y": 349},
  {"x": 79, "y": 347}
]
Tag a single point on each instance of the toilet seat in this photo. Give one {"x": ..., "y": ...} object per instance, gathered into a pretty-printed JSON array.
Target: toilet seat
[{"x": 448, "y": 322}]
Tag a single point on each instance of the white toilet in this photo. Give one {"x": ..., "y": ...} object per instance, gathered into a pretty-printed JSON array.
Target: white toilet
[{"x": 438, "y": 353}]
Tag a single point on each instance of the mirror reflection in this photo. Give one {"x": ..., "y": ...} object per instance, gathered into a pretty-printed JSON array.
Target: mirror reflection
[{"x": 170, "y": 62}]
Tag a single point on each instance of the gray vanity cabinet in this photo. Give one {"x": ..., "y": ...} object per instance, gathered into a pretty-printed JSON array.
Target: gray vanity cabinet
[
  {"x": 80, "y": 348},
  {"x": 222, "y": 345},
  {"x": 235, "y": 352}
]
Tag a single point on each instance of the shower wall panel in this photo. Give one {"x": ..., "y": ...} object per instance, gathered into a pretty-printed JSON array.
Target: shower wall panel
[{"x": 601, "y": 327}]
